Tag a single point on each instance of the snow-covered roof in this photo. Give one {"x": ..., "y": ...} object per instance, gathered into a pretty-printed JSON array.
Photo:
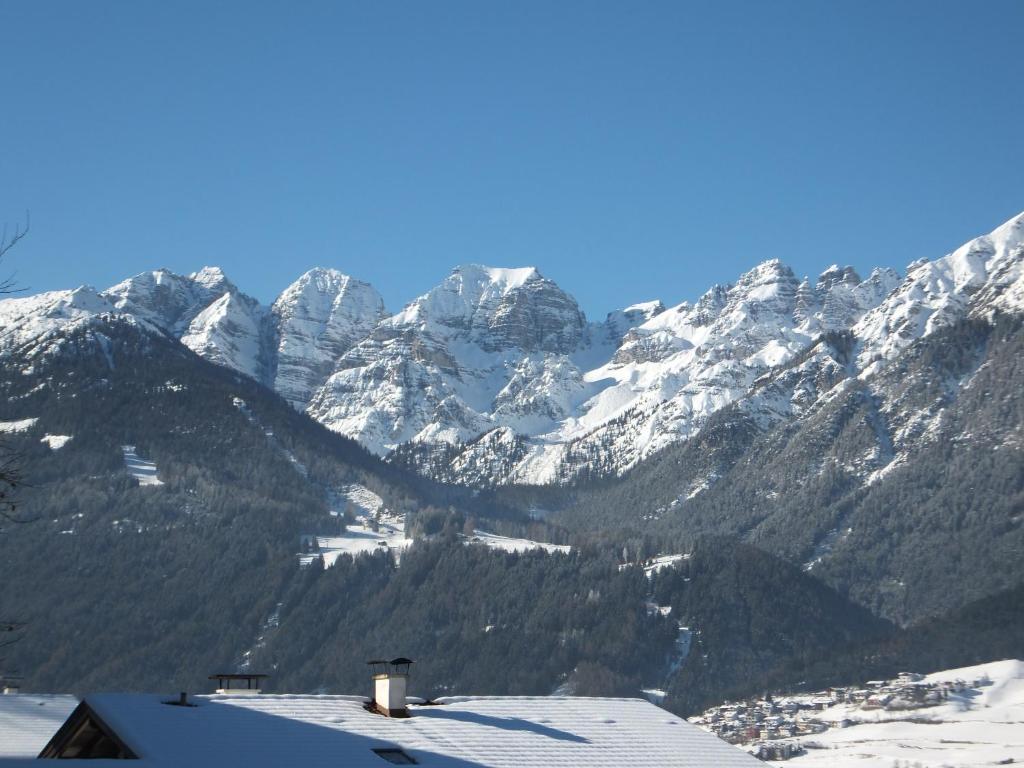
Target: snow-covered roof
[
  {"x": 496, "y": 732},
  {"x": 28, "y": 721}
]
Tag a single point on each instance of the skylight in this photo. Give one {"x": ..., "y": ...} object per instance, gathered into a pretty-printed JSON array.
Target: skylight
[{"x": 395, "y": 755}]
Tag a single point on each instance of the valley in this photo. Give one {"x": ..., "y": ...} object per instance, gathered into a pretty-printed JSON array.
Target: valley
[{"x": 696, "y": 502}]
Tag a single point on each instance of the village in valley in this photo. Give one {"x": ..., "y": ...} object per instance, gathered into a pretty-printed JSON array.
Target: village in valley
[{"x": 817, "y": 724}]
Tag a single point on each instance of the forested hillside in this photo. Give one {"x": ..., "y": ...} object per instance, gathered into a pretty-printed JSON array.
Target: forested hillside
[{"x": 123, "y": 582}]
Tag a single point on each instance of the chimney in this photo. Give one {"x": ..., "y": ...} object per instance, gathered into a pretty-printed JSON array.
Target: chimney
[
  {"x": 238, "y": 684},
  {"x": 389, "y": 684}
]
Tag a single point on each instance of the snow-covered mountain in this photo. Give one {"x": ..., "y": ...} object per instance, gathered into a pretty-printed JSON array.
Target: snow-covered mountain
[
  {"x": 439, "y": 370},
  {"x": 496, "y": 376},
  {"x": 318, "y": 318},
  {"x": 751, "y": 342}
]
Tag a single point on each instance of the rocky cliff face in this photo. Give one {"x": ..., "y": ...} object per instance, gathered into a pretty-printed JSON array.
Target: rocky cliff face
[
  {"x": 318, "y": 318},
  {"x": 499, "y": 372},
  {"x": 497, "y": 310},
  {"x": 439, "y": 369}
]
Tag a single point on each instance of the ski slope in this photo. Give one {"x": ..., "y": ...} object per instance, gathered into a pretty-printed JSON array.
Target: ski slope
[{"x": 141, "y": 469}]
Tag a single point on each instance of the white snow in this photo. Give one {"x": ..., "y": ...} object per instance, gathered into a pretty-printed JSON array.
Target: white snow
[
  {"x": 29, "y": 721},
  {"x": 21, "y": 425},
  {"x": 458, "y": 732},
  {"x": 369, "y": 511},
  {"x": 510, "y": 278},
  {"x": 509, "y": 544},
  {"x": 364, "y": 501},
  {"x": 660, "y": 562},
  {"x": 649, "y": 308},
  {"x": 390, "y": 535},
  {"x": 980, "y": 726},
  {"x": 360, "y": 539},
  {"x": 141, "y": 469},
  {"x": 30, "y": 324},
  {"x": 228, "y": 332},
  {"x": 55, "y": 442}
]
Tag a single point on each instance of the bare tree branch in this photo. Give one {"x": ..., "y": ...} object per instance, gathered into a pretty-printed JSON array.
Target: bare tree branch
[{"x": 7, "y": 284}]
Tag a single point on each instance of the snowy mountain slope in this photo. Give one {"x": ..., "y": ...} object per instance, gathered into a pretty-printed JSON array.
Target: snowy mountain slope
[
  {"x": 495, "y": 376},
  {"x": 32, "y": 325},
  {"x": 668, "y": 374},
  {"x": 232, "y": 332},
  {"x": 168, "y": 300},
  {"x": 291, "y": 345},
  {"x": 980, "y": 276},
  {"x": 435, "y": 371}
]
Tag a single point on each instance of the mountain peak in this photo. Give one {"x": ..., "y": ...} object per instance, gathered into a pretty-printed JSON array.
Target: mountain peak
[
  {"x": 770, "y": 271},
  {"x": 769, "y": 282},
  {"x": 836, "y": 275},
  {"x": 212, "y": 278},
  {"x": 324, "y": 280},
  {"x": 319, "y": 317},
  {"x": 1011, "y": 229}
]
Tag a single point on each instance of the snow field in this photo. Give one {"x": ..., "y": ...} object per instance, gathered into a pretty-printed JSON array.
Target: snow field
[
  {"x": 55, "y": 442},
  {"x": 508, "y": 544},
  {"x": 20, "y": 425},
  {"x": 390, "y": 531}
]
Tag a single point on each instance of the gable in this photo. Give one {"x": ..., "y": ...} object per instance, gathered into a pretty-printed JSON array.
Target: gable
[{"x": 86, "y": 736}]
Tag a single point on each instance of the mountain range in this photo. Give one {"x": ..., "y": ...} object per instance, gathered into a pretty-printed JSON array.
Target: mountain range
[
  {"x": 496, "y": 377},
  {"x": 791, "y": 476}
]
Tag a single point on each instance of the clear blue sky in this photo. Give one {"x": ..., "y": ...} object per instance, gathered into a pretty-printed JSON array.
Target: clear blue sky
[{"x": 630, "y": 150}]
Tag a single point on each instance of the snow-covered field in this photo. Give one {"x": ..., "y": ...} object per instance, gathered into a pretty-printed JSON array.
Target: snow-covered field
[
  {"x": 359, "y": 539},
  {"x": 141, "y": 469},
  {"x": 370, "y": 513},
  {"x": 508, "y": 544},
  {"x": 390, "y": 534},
  {"x": 982, "y": 725}
]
